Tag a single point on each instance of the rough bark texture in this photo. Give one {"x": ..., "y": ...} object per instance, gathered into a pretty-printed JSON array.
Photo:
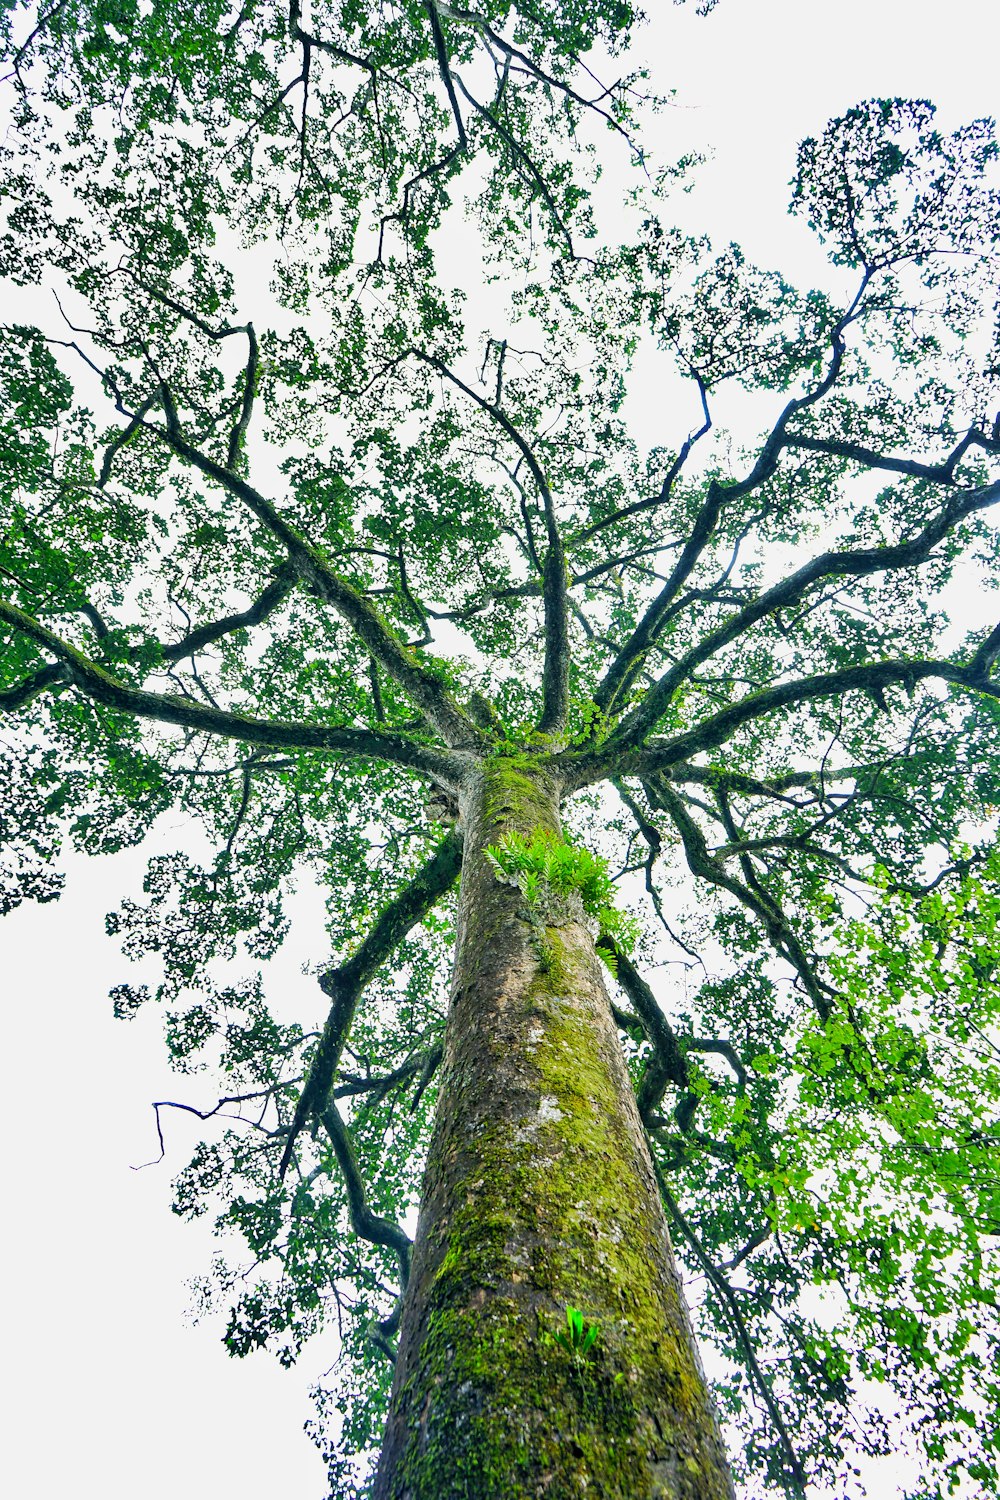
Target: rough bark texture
[{"x": 539, "y": 1195}]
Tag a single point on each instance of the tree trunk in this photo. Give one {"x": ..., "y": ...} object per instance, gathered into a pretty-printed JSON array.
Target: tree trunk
[{"x": 539, "y": 1195}]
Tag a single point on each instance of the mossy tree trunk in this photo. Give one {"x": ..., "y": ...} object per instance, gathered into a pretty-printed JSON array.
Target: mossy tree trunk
[{"x": 539, "y": 1195}]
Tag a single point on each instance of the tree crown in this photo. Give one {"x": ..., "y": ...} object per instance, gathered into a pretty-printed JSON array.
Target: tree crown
[{"x": 303, "y": 518}]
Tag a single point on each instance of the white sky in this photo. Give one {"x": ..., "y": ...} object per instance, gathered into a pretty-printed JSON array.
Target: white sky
[{"x": 110, "y": 1392}]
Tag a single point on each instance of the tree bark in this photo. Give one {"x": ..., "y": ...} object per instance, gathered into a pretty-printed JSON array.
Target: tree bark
[{"x": 539, "y": 1195}]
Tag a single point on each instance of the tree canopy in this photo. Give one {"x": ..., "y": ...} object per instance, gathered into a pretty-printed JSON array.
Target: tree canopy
[{"x": 321, "y": 484}]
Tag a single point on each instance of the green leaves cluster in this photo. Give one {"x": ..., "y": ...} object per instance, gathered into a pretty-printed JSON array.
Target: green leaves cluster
[
  {"x": 579, "y": 1336},
  {"x": 826, "y": 1113},
  {"x": 548, "y": 871}
]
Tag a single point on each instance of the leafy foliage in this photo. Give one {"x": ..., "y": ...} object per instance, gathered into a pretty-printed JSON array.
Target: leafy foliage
[
  {"x": 545, "y": 868},
  {"x": 579, "y": 1337},
  {"x": 286, "y": 562}
]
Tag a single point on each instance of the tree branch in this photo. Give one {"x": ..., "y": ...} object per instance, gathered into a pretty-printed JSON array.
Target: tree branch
[
  {"x": 519, "y": 153},
  {"x": 367, "y": 1225},
  {"x": 444, "y": 65},
  {"x": 667, "y": 1065},
  {"x": 274, "y": 595},
  {"x": 942, "y": 473},
  {"x": 367, "y": 744},
  {"x": 763, "y": 905},
  {"x": 623, "y": 671},
  {"x": 423, "y": 688},
  {"x": 345, "y": 983},
  {"x": 669, "y": 479},
  {"x": 867, "y": 677},
  {"x": 555, "y": 674},
  {"x": 54, "y": 675},
  {"x": 860, "y": 563},
  {"x": 480, "y": 24}
]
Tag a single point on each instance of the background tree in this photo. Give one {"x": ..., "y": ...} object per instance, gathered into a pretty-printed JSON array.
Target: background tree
[{"x": 301, "y": 527}]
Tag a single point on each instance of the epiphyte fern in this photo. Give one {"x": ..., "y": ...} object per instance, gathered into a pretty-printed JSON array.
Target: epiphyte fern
[{"x": 547, "y": 869}]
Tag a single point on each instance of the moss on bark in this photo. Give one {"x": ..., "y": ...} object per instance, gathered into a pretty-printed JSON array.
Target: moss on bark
[{"x": 539, "y": 1195}]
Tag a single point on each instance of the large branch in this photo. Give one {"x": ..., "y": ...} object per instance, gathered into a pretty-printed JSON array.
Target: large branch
[
  {"x": 623, "y": 670},
  {"x": 54, "y": 675},
  {"x": 57, "y": 673},
  {"x": 940, "y": 473},
  {"x": 870, "y": 678},
  {"x": 578, "y": 769},
  {"x": 763, "y": 905},
  {"x": 422, "y": 687},
  {"x": 555, "y": 672},
  {"x": 860, "y": 563},
  {"x": 97, "y": 683},
  {"x": 775, "y": 786},
  {"x": 345, "y": 983}
]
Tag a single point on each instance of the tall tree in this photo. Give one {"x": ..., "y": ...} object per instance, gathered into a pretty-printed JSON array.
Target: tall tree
[{"x": 369, "y": 577}]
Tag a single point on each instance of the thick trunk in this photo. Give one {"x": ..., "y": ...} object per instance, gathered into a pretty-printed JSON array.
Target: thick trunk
[{"x": 539, "y": 1195}]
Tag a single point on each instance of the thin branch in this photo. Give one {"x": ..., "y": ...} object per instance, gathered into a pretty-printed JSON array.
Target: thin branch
[
  {"x": 366, "y": 1225},
  {"x": 651, "y": 834},
  {"x": 758, "y": 1238},
  {"x": 555, "y": 675},
  {"x": 666, "y": 488},
  {"x": 513, "y": 53},
  {"x": 519, "y": 153},
  {"x": 53, "y": 676},
  {"x": 201, "y": 1114},
  {"x": 273, "y": 596},
  {"x": 305, "y": 38},
  {"x": 667, "y": 1065},
  {"x": 728, "y": 1296}
]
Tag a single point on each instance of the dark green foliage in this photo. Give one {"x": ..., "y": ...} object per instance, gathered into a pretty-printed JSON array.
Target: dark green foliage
[{"x": 294, "y": 529}]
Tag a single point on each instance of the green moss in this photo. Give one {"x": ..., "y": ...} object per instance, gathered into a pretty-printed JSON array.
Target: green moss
[
  {"x": 517, "y": 796},
  {"x": 544, "y": 1207},
  {"x": 507, "y": 1403},
  {"x": 481, "y": 1434}
]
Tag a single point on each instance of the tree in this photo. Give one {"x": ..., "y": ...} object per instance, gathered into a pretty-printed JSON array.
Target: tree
[{"x": 374, "y": 583}]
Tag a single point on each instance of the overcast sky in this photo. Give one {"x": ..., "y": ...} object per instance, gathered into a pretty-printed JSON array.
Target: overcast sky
[{"x": 111, "y": 1392}]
